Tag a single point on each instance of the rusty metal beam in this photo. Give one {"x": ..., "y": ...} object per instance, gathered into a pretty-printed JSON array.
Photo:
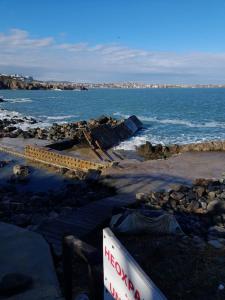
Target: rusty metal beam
[{"x": 47, "y": 156}]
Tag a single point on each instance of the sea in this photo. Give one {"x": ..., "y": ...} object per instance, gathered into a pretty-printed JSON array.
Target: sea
[{"x": 169, "y": 116}]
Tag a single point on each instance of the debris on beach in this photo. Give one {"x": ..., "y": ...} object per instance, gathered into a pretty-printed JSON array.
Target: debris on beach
[{"x": 145, "y": 221}]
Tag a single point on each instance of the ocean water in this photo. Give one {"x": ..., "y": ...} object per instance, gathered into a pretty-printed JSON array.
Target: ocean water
[{"x": 169, "y": 115}]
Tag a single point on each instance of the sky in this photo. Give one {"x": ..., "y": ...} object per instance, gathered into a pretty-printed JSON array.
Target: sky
[{"x": 150, "y": 41}]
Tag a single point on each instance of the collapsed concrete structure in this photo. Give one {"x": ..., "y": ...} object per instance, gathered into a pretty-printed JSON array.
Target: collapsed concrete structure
[
  {"x": 102, "y": 135},
  {"x": 108, "y": 136},
  {"x": 96, "y": 135}
]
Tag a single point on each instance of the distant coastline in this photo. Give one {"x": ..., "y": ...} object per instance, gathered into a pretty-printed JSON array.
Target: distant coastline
[{"x": 20, "y": 82}]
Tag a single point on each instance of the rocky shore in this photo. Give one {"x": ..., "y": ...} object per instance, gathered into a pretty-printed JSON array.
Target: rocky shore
[
  {"x": 159, "y": 151},
  {"x": 199, "y": 209},
  {"x": 104, "y": 132},
  {"x": 10, "y": 126},
  {"x": 29, "y": 209}
]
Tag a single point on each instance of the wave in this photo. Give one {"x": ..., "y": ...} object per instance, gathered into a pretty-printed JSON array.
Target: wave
[
  {"x": 210, "y": 124},
  {"x": 24, "y": 122},
  {"x": 18, "y": 100},
  {"x": 59, "y": 117},
  {"x": 6, "y": 114},
  {"x": 138, "y": 140}
]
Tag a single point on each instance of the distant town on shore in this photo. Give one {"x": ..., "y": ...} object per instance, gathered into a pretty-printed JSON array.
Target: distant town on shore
[{"x": 18, "y": 81}]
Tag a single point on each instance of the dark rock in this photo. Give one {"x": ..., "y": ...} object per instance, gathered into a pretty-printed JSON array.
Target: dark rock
[
  {"x": 199, "y": 190},
  {"x": 216, "y": 207},
  {"x": 141, "y": 197},
  {"x": 38, "y": 218},
  {"x": 14, "y": 283},
  {"x": 217, "y": 231},
  {"x": 194, "y": 206},
  {"x": 21, "y": 219},
  {"x": 92, "y": 175},
  {"x": 216, "y": 244},
  {"x": 176, "y": 187},
  {"x": 202, "y": 182},
  {"x": 20, "y": 170},
  {"x": 102, "y": 119},
  {"x": 177, "y": 196},
  {"x": 3, "y": 163}
]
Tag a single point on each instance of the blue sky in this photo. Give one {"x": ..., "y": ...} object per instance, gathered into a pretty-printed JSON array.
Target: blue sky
[{"x": 171, "y": 41}]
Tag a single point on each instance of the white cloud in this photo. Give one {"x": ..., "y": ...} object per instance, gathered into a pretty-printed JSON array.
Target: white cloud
[
  {"x": 20, "y": 39},
  {"x": 46, "y": 59}
]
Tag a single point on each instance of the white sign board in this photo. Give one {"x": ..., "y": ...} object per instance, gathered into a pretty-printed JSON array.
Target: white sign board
[{"x": 123, "y": 277}]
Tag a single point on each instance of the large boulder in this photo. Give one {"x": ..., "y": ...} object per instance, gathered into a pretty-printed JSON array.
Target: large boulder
[
  {"x": 14, "y": 283},
  {"x": 26, "y": 267},
  {"x": 216, "y": 207}
]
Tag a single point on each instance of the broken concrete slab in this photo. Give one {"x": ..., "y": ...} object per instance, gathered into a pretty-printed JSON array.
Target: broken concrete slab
[
  {"x": 25, "y": 252},
  {"x": 109, "y": 136}
]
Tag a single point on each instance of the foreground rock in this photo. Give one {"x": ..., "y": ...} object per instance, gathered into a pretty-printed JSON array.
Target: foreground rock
[
  {"x": 26, "y": 266},
  {"x": 15, "y": 283}
]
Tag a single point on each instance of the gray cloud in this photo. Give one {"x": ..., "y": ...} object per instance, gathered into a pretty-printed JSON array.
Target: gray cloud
[{"x": 44, "y": 58}]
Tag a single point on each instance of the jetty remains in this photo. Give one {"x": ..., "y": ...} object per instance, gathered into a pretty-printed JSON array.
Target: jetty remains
[{"x": 98, "y": 138}]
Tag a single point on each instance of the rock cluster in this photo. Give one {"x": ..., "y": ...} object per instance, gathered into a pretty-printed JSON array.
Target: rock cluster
[
  {"x": 29, "y": 209},
  {"x": 159, "y": 151},
  {"x": 199, "y": 209},
  {"x": 9, "y": 127}
]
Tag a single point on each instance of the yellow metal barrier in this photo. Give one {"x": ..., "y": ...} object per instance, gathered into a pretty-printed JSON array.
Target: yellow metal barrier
[{"x": 46, "y": 155}]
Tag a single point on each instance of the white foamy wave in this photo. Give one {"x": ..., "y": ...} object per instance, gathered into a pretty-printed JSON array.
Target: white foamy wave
[
  {"x": 26, "y": 121},
  {"x": 132, "y": 143},
  {"x": 27, "y": 125},
  {"x": 209, "y": 124},
  {"x": 59, "y": 117},
  {"x": 6, "y": 114},
  {"x": 119, "y": 114},
  {"x": 138, "y": 140},
  {"x": 18, "y": 100},
  {"x": 212, "y": 124}
]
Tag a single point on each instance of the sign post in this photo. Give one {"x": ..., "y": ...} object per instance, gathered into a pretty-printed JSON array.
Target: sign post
[{"x": 123, "y": 277}]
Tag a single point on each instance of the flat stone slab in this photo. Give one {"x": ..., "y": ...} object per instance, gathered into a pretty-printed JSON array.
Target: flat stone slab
[{"x": 26, "y": 252}]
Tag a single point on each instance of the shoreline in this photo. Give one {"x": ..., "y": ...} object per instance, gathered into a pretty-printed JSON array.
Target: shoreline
[
  {"x": 11, "y": 82},
  {"x": 134, "y": 184},
  {"x": 14, "y": 124}
]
